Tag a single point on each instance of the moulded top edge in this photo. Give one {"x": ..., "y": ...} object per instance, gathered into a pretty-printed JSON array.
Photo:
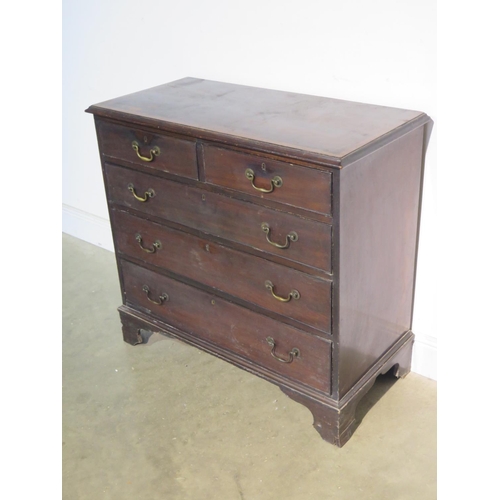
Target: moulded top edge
[{"x": 319, "y": 129}]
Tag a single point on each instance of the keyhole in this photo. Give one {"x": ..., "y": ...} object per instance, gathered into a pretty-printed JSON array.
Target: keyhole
[
  {"x": 145, "y": 139},
  {"x": 263, "y": 167}
]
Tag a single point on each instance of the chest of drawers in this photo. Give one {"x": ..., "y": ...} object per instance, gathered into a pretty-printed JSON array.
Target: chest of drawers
[{"x": 277, "y": 231}]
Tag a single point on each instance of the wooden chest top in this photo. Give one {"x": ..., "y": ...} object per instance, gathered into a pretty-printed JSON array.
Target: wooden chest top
[{"x": 324, "y": 130}]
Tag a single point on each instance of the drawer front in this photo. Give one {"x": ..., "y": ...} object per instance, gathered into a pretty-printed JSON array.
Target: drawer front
[
  {"x": 306, "y": 241},
  {"x": 239, "y": 274},
  {"x": 156, "y": 151},
  {"x": 289, "y": 184},
  {"x": 229, "y": 326}
]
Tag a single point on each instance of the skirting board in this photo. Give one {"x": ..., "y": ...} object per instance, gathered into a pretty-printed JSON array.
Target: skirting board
[
  {"x": 87, "y": 227},
  {"x": 424, "y": 356},
  {"x": 97, "y": 231}
]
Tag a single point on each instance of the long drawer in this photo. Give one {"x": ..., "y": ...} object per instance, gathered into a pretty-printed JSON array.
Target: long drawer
[
  {"x": 304, "y": 358},
  {"x": 253, "y": 279},
  {"x": 289, "y": 236}
]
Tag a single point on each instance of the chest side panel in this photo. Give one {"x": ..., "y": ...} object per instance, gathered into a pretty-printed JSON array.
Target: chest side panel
[{"x": 378, "y": 222}]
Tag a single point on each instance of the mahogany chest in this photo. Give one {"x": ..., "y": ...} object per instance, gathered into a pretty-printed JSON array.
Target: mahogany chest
[{"x": 275, "y": 230}]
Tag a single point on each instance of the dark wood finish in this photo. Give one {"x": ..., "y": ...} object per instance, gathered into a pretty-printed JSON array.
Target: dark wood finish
[
  {"x": 302, "y": 187},
  {"x": 230, "y": 326},
  {"x": 225, "y": 269},
  {"x": 352, "y": 182},
  {"x": 215, "y": 214},
  {"x": 379, "y": 201},
  {"x": 176, "y": 156},
  {"x": 131, "y": 329},
  {"x": 336, "y": 422},
  {"x": 294, "y": 125}
]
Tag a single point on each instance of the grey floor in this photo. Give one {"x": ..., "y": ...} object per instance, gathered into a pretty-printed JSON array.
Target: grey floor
[{"x": 167, "y": 421}]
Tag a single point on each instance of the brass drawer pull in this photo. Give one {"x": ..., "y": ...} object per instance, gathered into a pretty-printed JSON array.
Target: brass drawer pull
[
  {"x": 152, "y": 152},
  {"x": 148, "y": 194},
  {"x": 292, "y": 236},
  {"x": 156, "y": 244},
  {"x": 294, "y": 353},
  {"x": 294, "y": 294},
  {"x": 276, "y": 181},
  {"x": 163, "y": 297}
]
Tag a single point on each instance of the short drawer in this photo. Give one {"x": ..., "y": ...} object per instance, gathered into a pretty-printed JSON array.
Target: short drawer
[
  {"x": 230, "y": 326},
  {"x": 271, "y": 231},
  {"x": 273, "y": 180},
  {"x": 274, "y": 287},
  {"x": 153, "y": 150}
]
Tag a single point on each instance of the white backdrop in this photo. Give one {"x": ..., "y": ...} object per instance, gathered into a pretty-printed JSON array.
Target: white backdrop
[{"x": 380, "y": 52}]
